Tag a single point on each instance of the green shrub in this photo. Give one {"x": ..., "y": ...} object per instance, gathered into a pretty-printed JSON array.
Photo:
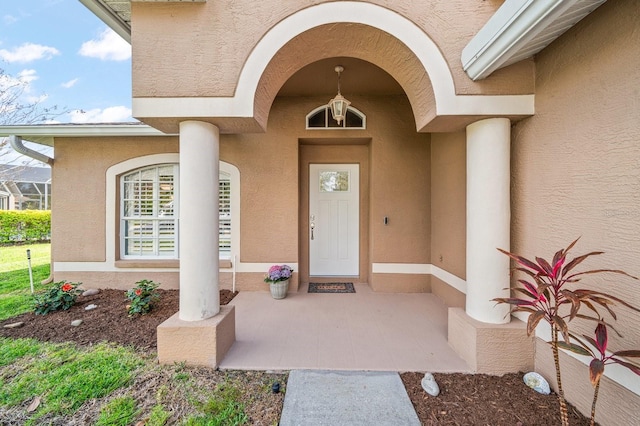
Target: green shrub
[
  {"x": 142, "y": 297},
  {"x": 61, "y": 295},
  {"x": 24, "y": 225}
]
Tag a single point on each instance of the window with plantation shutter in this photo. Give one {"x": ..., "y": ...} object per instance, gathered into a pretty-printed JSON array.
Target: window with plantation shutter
[
  {"x": 149, "y": 213},
  {"x": 225, "y": 216}
]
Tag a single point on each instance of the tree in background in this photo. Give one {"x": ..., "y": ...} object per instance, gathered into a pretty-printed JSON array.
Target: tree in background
[{"x": 18, "y": 107}]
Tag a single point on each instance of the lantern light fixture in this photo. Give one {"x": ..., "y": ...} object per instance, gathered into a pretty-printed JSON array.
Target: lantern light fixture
[{"x": 339, "y": 104}]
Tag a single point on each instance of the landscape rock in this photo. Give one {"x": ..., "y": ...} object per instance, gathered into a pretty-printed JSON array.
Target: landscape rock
[
  {"x": 13, "y": 325},
  {"x": 91, "y": 292},
  {"x": 90, "y": 307},
  {"x": 430, "y": 385},
  {"x": 536, "y": 382},
  {"x": 76, "y": 323}
]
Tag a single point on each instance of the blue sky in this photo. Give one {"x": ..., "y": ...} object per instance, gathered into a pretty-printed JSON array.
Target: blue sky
[{"x": 68, "y": 58}]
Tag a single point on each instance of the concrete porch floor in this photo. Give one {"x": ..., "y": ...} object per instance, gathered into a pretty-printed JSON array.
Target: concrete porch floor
[{"x": 361, "y": 331}]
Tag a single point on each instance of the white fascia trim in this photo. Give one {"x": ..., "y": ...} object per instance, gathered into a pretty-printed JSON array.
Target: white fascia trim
[
  {"x": 615, "y": 372},
  {"x": 421, "y": 269},
  {"x": 513, "y": 25},
  {"x": 241, "y": 104},
  {"x": 106, "y": 15},
  {"x": 45, "y": 134}
]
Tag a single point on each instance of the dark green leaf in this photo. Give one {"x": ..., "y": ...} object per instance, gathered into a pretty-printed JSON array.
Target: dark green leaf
[
  {"x": 629, "y": 353},
  {"x": 574, "y": 348}
]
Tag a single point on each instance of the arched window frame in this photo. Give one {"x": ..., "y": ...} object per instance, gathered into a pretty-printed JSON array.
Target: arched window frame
[
  {"x": 229, "y": 177},
  {"x": 328, "y": 117}
]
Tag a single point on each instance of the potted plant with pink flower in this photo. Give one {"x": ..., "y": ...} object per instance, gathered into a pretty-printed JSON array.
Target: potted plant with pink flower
[{"x": 278, "y": 279}]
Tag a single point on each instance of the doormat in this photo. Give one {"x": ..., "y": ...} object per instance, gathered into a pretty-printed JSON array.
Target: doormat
[{"x": 331, "y": 288}]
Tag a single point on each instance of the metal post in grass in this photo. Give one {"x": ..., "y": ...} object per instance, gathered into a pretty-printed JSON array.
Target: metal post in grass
[{"x": 30, "y": 271}]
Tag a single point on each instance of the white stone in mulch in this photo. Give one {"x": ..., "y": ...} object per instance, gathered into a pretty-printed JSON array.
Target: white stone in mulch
[
  {"x": 430, "y": 385},
  {"x": 537, "y": 383},
  {"x": 13, "y": 325},
  {"x": 90, "y": 307},
  {"x": 76, "y": 323},
  {"x": 91, "y": 292}
]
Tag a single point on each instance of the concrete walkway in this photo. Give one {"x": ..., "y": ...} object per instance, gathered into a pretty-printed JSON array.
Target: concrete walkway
[
  {"x": 361, "y": 331},
  {"x": 346, "y": 398}
]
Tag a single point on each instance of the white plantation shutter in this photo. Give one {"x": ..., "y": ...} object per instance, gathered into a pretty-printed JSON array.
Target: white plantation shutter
[
  {"x": 225, "y": 216},
  {"x": 149, "y": 213}
]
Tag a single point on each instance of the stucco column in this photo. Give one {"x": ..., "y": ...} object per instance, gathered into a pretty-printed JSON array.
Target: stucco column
[
  {"x": 488, "y": 218},
  {"x": 199, "y": 221}
]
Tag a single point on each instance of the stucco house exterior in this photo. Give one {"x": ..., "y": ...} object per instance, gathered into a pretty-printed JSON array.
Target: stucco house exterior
[{"x": 472, "y": 125}]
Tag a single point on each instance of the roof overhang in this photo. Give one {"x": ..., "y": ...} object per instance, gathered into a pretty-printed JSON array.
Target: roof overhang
[
  {"x": 519, "y": 29},
  {"x": 45, "y": 134}
]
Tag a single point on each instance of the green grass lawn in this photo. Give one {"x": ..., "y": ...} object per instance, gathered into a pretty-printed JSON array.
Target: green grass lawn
[
  {"x": 121, "y": 385},
  {"x": 15, "y": 289}
]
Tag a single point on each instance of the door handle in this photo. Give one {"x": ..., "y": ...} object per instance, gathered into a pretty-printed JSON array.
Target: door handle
[{"x": 312, "y": 226}]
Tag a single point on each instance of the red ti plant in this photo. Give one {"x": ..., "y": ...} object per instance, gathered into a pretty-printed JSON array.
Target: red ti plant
[
  {"x": 547, "y": 296},
  {"x": 600, "y": 359}
]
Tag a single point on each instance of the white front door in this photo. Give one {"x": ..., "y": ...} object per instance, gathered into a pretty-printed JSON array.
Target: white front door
[{"x": 334, "y": 216}]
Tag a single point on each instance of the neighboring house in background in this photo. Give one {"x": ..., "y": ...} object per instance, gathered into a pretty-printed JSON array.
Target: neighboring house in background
[
  {"x": 472, "y": 126},
  {"x": 25, "y": 187}
]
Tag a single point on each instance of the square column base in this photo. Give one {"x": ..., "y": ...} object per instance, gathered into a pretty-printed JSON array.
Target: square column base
[
  {"x": 491, "y": 348},
  {"x": 202, "y": 343}
]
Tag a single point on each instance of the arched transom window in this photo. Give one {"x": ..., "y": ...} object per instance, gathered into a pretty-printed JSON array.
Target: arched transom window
[{"x": 320, "y": 118}]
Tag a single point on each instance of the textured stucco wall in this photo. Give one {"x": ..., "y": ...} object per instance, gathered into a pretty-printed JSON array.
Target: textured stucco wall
[
  {"x": 399, "y": 187},
  {"x": 199, "y": 49},
  {"x": 576, "y": 163},
  {"x": 78, "y": 176},
  {"x": 448, "y": 202}
]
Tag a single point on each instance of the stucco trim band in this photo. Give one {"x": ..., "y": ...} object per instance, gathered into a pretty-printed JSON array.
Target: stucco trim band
[
  {"x": 111, "y": 267},
  {"x": 242, "y": 103},
  {"x": 421, "y": 269},
  {"x": 615, "y": 372}
]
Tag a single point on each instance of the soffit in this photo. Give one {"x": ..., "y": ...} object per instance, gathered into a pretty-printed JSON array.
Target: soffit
[
  {"x": 520, "y": 29},
  {"x": 358, "y": 78}
]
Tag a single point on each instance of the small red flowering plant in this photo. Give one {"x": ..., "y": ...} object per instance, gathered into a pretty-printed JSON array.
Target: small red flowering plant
[
  {"x": 141, "y": 297},
  {"x": 61, "y": 296}
]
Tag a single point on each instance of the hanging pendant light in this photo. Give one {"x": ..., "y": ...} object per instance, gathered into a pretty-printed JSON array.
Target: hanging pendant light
[{"x": 339, "y": 104}]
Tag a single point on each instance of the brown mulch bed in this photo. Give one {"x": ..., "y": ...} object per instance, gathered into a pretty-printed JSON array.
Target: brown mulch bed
[
  {"x": 465, "y": 399},
  {"x": 480, "y": 399},
  {"x": 108, "y": 322}
]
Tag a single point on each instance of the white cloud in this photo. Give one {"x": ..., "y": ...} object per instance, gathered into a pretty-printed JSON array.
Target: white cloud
[
  {"x": 109, "y": 46},
  {"x": 69, "y": 84},
  {"x": 108, "y": 115},
  {"x": 9, "y": 19},
  {"x": 28, "y": 52},
  {"x": 27, "y": 76}
]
